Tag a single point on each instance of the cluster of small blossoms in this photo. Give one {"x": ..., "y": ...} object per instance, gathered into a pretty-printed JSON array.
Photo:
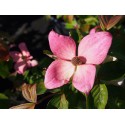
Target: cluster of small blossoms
[{"x": 23, "y": 59}]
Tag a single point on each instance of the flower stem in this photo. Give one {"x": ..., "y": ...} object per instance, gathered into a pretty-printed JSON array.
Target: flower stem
[{"x": 87, "y": 101}]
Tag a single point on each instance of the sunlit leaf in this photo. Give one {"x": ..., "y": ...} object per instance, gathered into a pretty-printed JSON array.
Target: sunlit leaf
[
  {"x": 2, "y": 96},
  {"x": 91, "y": 20},
  {"x": 68, "y": 18},
  {"x": 69, "y": 26},
  {"x": 73, "y": 25},
  {"x": 29, "y": 92},
  {"x": 63, "y": 102},
  {"x": 100, "y": 96},
  {"x": 24, "y": 106},
  {"x": 85, "y": 28},
  {"x": 4, "y": 101}
]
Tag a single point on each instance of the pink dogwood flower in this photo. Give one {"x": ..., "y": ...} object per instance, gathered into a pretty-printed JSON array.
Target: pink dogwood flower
[
  {"x": 92, "y": 51},
  {"x": 22, "y": 60}
]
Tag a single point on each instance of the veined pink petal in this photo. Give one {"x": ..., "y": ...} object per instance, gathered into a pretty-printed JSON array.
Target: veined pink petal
[
  {"x": 16, "y": 56},
  {"x": 58, "y": 73},
  {"x": 63, "y": 47},
  {"x": 20, "y": 67},
  {"x": 94, "y": 47},
  {"x": 83, "y": 78},
  {"x": 32, "y": 63},
  {"x": 24, "y": 49}
]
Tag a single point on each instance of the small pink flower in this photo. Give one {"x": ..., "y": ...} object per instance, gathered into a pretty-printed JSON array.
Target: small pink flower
[
  {"x": 92, "y": 51},
  {"x": 22, "y": 60}
]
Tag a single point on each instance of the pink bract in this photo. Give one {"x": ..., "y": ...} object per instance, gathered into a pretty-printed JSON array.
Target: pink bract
[
  {"x": 92, "y": 51},
  {"x": 22, "y": 60}
]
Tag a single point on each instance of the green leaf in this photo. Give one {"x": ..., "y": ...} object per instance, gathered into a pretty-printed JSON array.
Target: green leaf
[
  {"x": 4, "y": 101},
  {"x": 47, "y": 52},
  {"x": 58, "y": 16},
  {"x": 26, "y": 73},
  {"x": 34, "y": 75},
  {"x": 85, "y": 28},
  {"x": 69, "y": 26},
  {"x": 75, "y": 98},
  {"x": 40, "y": 88},
  {"x": 4, "y": 69},
  {"x": 116, "y": 96},
  {"x": 111, "y": 70},
  {"x": 45, "y": 62},
  {"x": 89, "y": 101},
  {"x": 63, "y": 102},
  {"x": 74, "y": 35},
  {"x": 92, "y": 20},
  {"x": 80, "y": 35},
  {"x": 50, "y": 54},
  {"x": 100, "y": 96},
  {"x": 2, "y": 96},
  {"x": 59, "y": 101}
]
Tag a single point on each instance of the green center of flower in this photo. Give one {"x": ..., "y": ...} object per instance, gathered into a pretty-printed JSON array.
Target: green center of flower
[{"x": 78, "y": 60}]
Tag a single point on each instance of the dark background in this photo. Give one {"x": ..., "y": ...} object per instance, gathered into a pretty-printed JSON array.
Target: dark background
[{"x": 33, "y": 30}]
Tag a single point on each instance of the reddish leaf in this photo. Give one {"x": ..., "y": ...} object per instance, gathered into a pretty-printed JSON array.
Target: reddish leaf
[
  {"x": 24, "y": 106},
  {"x": 29, "y": 92},
  {"x": 4, "y": 53},
  {"x": 107, "y": 22},
  {"x": 113, "y": 21}
]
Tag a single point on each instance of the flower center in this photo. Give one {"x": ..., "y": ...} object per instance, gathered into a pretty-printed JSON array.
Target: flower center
[
  {"x": 24, "y": 57},
  {"x": 78, "y": 60}
]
